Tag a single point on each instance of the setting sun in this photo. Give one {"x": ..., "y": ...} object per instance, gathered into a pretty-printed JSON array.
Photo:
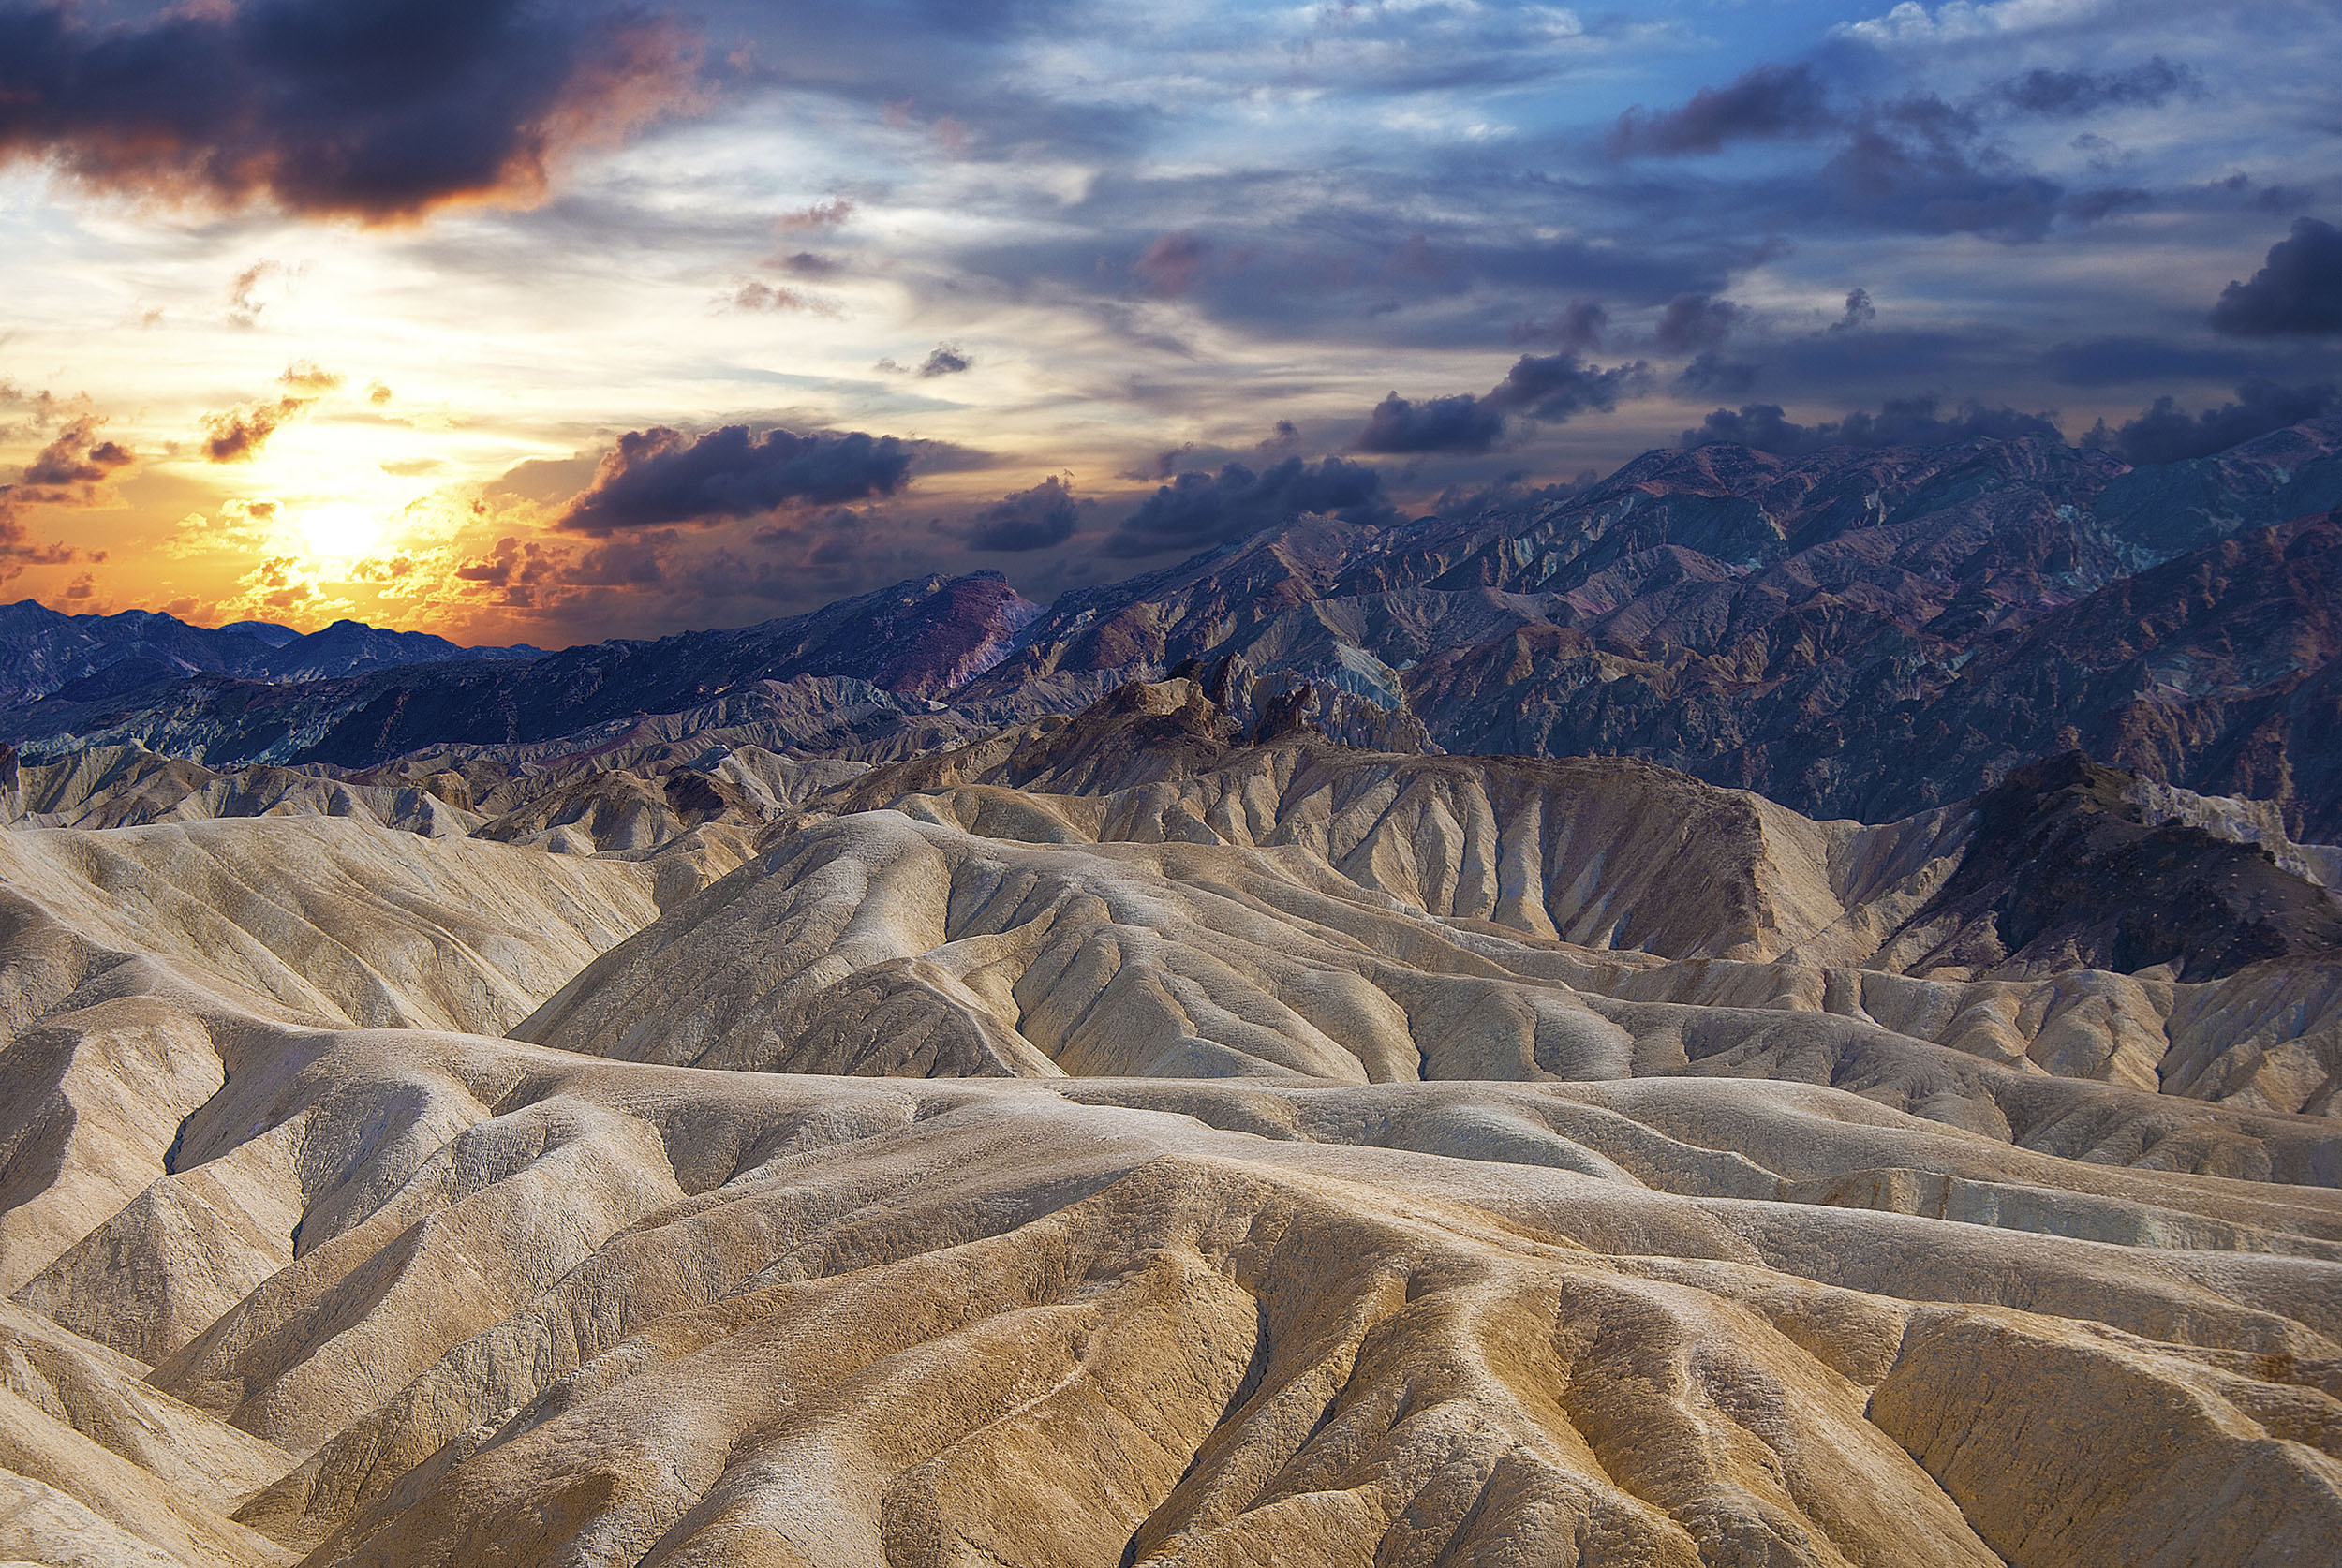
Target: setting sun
[{"x": 337, "y": 531}]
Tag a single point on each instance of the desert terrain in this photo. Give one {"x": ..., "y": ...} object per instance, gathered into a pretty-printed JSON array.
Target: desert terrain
[{"x": 1136, "y": 1138}]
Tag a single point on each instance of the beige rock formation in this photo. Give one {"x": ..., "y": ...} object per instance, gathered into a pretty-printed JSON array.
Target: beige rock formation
[
  {"x": 128, "y": 786},
  {"x": 671, "y": 1315},
  {"x": 892, "y": 942},
  {"x": 333, "y": 922},
  {"x": 633, "y": 798},
  {"x": 1179, "y": 1155}
]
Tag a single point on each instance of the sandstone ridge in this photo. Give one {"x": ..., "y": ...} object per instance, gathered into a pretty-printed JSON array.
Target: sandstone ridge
[{"x": 1172, "y": 1141}]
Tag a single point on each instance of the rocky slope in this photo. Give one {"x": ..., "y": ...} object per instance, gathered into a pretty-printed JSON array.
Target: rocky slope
[
  {"x": 1856, "y": 632},
  {"x": 1717, "y": 1257},
  {"x": 1054, "y": 876},
  {"x": 636, "y": 799},
  {"x": 122, "y": 656},
  {"x": 820, "y": 680},
  {"x": 1139, "y": 892},
  {"x": 1853, "y": 632}
]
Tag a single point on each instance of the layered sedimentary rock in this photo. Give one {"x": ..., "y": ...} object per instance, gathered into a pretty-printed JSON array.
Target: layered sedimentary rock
[
  {"x": 1170, "y": 1141},
  {"x": 1191, "y": 905},
  {"x": 637, "y": 799},
  {"x": 559, "y": 1309}
]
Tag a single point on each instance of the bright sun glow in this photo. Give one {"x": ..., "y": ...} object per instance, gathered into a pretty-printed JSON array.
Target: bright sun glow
[{"x": 338, "y": 530}]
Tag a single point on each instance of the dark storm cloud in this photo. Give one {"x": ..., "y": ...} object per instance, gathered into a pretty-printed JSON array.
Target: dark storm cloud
[
  {"x": 1917, "y": 161},
  {"x": 2164, "y": 433},
  {"x": 1767, "y": 102},
  {"x": 1578, "y": 328},
  {"x": 1917, "y": 164},
  {"x": 1859, "y": 313},
  {"x": 1904, "y": 422},
  {"x": 1692, "y": 322},
  {"x": 1458, "y": 424},
  {"x": 375, "y": 109},
  {"x": 1197, "y": 509},
  {"x": 1162, "y": 466},
  {"x": 1711, "y": 375},
  {"x": 662, "y": 476},
  {"x": 2284, "y": 201},
  {"x": 944, "y": 358},
  {"x": 2298, "y": 288},
  {"x": 65, "y": 468},
  {"x": 536, "y": 574},
  {"x": 945, "y": 457},
  {"x": 1549, "y": 388},
  {"x": 2115, "y": 362},
  {"x": 623, "y": 563},
  {"x": 1317, "y": 254},
  {"x": 2095, "y": 206},
  {"x": 20, "y": 548},
  {"x": 2070, "y": 95},
  {"x": 1639, "y": 260},
  {"x": 1775, "y": 102},
  {"x": 1876, "y": 363},
  {"x": 1554, "y": 387},
  {"x": 1033, "y": 519}
]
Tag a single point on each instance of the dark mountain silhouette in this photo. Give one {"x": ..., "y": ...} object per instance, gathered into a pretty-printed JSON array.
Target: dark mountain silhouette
[{"x": 44, "y": 651}]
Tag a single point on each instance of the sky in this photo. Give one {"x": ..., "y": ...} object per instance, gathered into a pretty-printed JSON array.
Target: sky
[{"x": 547, "y": 323}]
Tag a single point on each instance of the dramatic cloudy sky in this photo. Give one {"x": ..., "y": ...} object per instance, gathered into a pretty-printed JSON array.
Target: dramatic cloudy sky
[{"x": 552, "y": 322}]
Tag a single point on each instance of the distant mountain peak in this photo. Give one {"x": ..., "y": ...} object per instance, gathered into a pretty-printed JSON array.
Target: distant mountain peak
[{"x": 1855, "y": 631}]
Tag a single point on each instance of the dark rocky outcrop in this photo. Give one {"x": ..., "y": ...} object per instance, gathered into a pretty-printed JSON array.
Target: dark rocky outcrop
[{"x": 2065, "y": 871}]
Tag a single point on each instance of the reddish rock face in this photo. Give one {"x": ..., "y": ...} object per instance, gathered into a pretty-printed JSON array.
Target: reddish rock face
[{"x": 950, "y": 637}]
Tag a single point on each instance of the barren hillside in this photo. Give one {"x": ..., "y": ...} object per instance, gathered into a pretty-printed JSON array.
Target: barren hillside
[{"x": 1136, "y": 1139}]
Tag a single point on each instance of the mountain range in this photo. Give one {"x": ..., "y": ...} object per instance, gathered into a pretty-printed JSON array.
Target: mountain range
[
  {"x": 1855, "y": 633},
  {"x": 1311, "y": 1056},
  {"x": 98, "y": 658}
]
